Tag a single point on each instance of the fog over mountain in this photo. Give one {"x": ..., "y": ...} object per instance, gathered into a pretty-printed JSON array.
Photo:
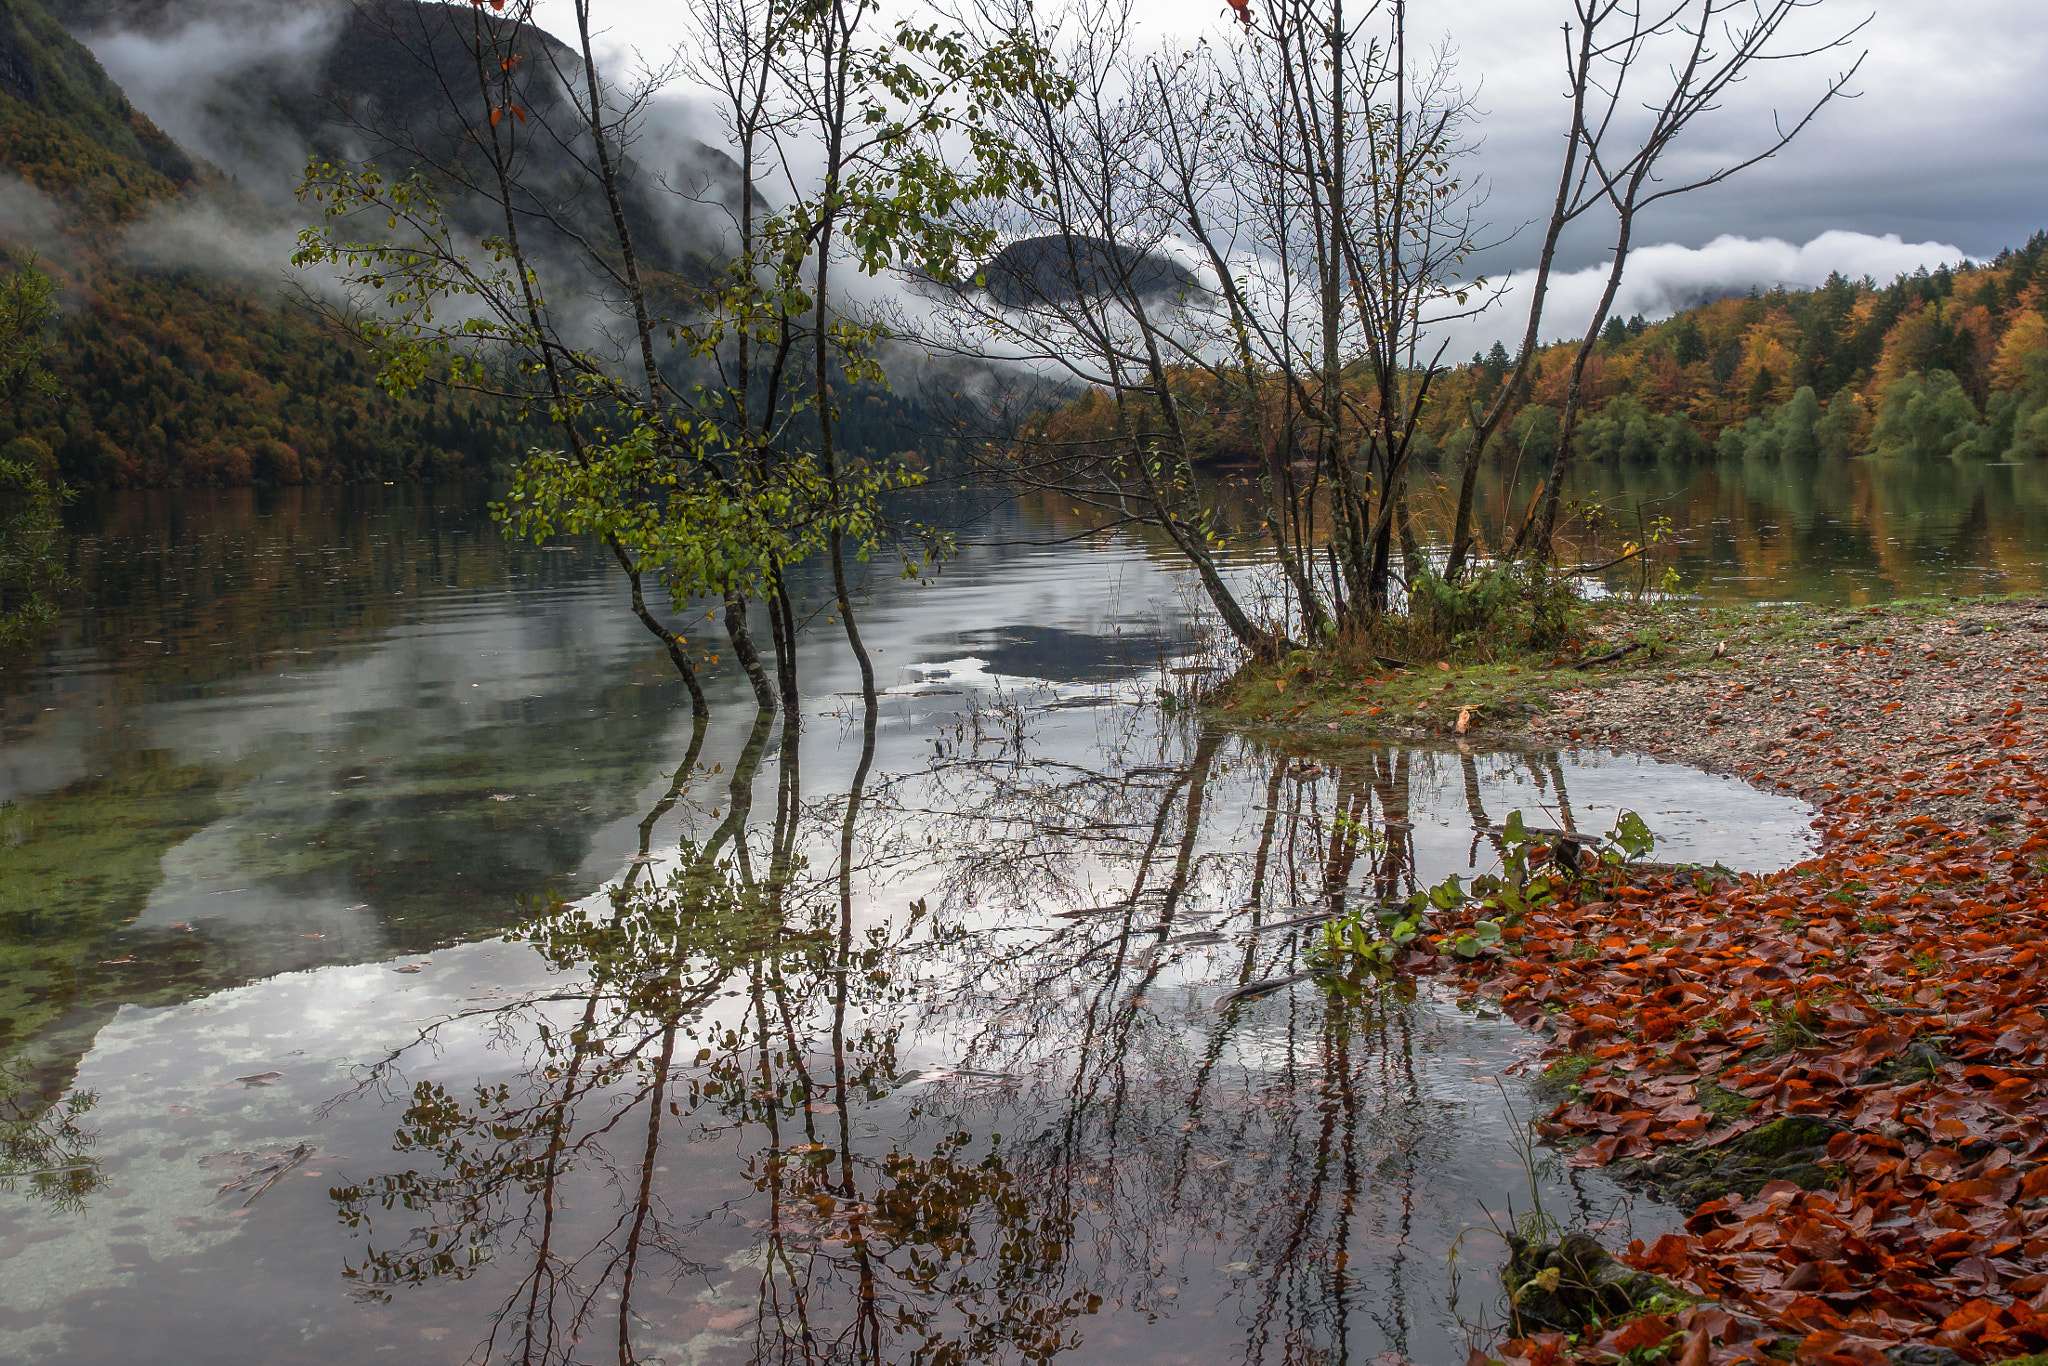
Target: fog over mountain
[
  {"x": 254, "y": 86},
  {"x": 257, "y": 88}
]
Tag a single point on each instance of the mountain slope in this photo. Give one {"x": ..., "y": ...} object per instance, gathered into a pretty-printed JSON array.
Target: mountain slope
[
  {"x": 68, "y": 130},
  {"x": 259, "y": 87},
  {"x": 173, "y": 374}
]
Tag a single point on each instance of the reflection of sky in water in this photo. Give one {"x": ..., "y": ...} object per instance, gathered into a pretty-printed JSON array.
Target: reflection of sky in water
[{"x": 417, "y": 780}]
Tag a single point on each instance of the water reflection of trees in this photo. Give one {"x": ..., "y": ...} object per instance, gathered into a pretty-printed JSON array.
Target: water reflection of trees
[{"x": 740, "y": 1012}]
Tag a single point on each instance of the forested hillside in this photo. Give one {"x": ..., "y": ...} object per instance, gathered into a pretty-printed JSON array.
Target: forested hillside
[
  {"x": 173, "y": 375},
  {"x": 168, "y": 375},
  {"x": 1952, "y": 362}
]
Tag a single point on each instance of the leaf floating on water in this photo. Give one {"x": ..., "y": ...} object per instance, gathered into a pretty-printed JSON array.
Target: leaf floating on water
[
  {"x": 1094, "y": 910},
  {"x": 1298, "y": 922},
  {"x": 409, "y": 967},
  {"x": 943, "y": 1073}
]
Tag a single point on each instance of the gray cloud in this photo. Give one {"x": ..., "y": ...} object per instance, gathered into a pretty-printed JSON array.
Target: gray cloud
[
  {"x": 1931, "y": 147},
  {"x": 239, "y": 241},
  {"x": 205, "y": 83},
  {"x": 1940, "y": 144},
  {"x": 27, "y": 215},
  {"x": 1912, "y": 171}
]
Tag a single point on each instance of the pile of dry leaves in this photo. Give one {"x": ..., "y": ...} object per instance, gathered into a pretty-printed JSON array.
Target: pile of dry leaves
[{"x": 1890, "y": 993}]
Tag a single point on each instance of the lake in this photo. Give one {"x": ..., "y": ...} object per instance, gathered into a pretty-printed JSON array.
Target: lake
[
  {"x": 1838, "y": 532},
  {"x": 391, "y": 967}
]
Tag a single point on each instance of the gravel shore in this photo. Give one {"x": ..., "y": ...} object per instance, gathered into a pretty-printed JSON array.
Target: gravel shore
[{"x": 1891, "y": 708}]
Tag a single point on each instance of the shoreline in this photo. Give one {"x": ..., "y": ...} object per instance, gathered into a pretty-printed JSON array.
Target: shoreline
[
  {"x": 1828, "y": 717},
  {"x": 1838, "y": 1072},
  {"x": 1774, "y": 694}
]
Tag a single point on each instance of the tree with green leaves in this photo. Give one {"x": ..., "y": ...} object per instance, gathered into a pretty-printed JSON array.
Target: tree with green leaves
[{"x": 696, "y": 426}]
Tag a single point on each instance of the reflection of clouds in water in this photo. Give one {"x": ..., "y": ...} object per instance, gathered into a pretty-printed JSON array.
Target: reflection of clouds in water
[
  {"x": 1697, "y": 817},
  {"x": 457, "y": 671},
  {"x": 53, "y": 749},
  {"x": 1216, "y": 1141},
  {"x": 966, "y": 672},
  {"x": 1061, "y": 654},
  {"x": 1044, "y": 916}
]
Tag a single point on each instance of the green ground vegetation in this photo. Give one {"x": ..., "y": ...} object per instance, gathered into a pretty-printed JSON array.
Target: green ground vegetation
[{"x": 75, "y": 867}]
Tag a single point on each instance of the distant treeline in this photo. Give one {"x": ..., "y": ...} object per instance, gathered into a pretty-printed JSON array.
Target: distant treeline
[
  {"x": 173, "y": 378},
  {"x": 1952, "y": 362}
]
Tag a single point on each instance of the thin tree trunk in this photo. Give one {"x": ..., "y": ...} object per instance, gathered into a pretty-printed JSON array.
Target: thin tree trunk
[
  {"x": 743, "y": 649},
  {"x": 678, "y": 648},
  {"x": 836, "y": 94},
  {"x": 1468, "y": 482},
  {"x": 1545, "y": 526}
]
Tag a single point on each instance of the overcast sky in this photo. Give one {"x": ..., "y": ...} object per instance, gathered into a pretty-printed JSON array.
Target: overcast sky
[
  {"x": 1945, "y": 141},
  {"x": 1943, "y": 153},
  {"x": 1948, "y": 140}
]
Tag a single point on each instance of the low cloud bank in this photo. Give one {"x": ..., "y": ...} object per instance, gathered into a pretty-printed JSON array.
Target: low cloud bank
[
  {"x": 1662, "y": 280},
  {"x": 207, "y": 84}
]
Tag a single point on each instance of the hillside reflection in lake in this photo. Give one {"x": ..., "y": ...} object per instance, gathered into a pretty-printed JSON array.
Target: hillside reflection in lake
[
  {"x": 845, "y": 1044},
  {"x": 1826, "y": 531}
]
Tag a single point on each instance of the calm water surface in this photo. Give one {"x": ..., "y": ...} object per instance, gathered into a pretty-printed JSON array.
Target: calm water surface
[
  {"x": 1839, "y": 532},
  {"x": 424, "y": 984}
]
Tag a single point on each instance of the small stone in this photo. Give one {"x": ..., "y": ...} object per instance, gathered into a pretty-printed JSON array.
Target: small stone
[{"x": 1922, "y": 1354}]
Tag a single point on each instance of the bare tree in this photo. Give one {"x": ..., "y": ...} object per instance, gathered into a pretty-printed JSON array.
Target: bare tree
[
  {"x": 1267, "y": 233},
  {"x": 1347, "y": 249},
  {"x": 1691, "y": 55},
  {"x": 1090, "y": 289}
]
